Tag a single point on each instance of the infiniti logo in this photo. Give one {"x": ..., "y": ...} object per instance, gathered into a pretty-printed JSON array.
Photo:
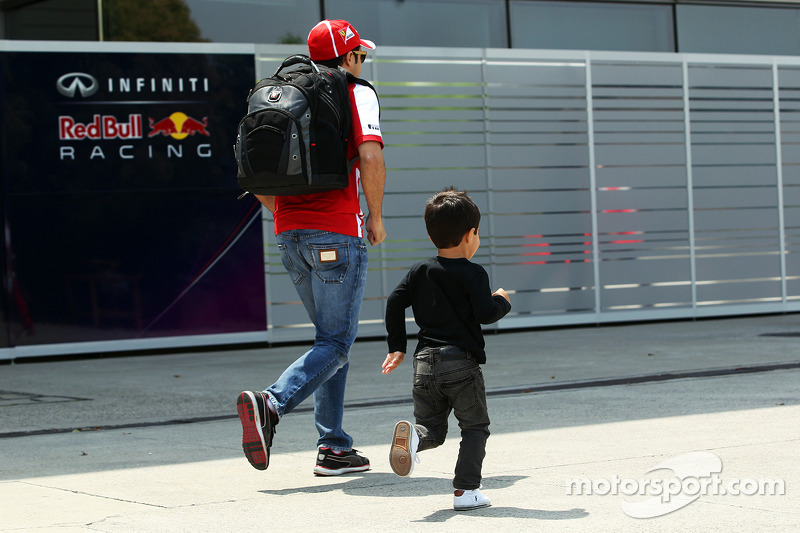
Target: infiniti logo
[{"x": 77, "y": 81}]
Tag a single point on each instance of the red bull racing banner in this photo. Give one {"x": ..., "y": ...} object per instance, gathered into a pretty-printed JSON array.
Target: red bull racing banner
[{"x": 119, "y": 184}]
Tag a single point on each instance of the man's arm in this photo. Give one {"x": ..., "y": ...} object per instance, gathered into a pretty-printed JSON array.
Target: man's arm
[
  {"x": 373, "y": 180},
  {"x": 268, "y": 201}
]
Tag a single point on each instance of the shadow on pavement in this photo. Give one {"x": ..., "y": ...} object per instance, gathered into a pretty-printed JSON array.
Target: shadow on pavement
[
  {"x": 507, "y": 512},
  {"x": 391, "y": 486}
]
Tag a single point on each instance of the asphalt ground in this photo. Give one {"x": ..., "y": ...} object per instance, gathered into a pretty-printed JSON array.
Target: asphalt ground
[{"x": 695, "y": 424}]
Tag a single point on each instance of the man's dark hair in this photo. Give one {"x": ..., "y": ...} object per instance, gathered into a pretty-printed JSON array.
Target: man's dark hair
[
  {"x": 336, "y": 61},
  {"x": 449, "y": 215}
]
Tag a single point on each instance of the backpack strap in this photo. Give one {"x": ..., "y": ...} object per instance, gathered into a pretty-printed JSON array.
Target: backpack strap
[{"x": 365, "y": 83}]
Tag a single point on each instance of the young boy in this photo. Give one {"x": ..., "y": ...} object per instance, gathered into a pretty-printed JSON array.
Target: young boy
[{"x": 450, "y": 297}]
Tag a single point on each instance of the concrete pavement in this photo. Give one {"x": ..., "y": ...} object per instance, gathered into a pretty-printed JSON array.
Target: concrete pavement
[{"x": 581, "y": 417}]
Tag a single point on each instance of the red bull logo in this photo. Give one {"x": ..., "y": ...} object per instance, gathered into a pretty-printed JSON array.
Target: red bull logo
[
  {"x": 101, "y": 127},
  {"x": 110, "y": 128},
  {"x": 178, "y": 126}
]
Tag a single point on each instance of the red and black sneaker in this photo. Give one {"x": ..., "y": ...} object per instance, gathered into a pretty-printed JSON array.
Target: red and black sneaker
[
  {"x": 331, "y": 463},
  {"x": 258, "y": 427}
]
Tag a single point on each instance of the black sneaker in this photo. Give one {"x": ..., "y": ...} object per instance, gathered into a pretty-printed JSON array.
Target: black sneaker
[
  {"x": 331, "y": 463},
  {"x": 258, "y": 427}
]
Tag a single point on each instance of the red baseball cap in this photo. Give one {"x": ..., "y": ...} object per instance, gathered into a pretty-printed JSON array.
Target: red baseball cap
[{"x": 333, "y": 38}]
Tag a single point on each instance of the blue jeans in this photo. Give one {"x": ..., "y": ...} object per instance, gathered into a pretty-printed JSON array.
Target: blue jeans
[{"x": 329, "y": 271}]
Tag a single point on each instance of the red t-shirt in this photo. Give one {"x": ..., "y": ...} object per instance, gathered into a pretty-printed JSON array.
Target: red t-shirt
[{"x": 338, "y": 211}]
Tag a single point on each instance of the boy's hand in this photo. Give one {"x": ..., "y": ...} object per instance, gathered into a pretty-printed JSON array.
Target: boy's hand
[
  {"x": 502, "y": 293},
  {"x": 392, "y": 361}
]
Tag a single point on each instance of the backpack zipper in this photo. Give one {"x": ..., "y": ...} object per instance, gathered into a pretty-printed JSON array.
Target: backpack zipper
[{"x": 335, "y": 108}]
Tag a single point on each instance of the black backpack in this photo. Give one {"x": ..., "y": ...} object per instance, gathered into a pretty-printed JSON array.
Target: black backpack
[{"x": 293, "y": 139}]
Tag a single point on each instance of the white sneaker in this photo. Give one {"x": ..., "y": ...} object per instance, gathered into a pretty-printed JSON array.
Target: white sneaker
[
  {"x": 469, "y": 499},
  {"x": 403, "y": 454}
]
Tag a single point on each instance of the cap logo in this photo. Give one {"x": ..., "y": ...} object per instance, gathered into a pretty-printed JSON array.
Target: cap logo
[{"x": 346, "y": 33}]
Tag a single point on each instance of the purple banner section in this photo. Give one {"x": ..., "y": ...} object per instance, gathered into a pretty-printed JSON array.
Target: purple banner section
[{"x": 120, "y": 201}]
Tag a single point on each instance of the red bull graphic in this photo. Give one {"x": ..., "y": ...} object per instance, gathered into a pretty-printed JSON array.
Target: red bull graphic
[
  {"x": 178, "y": 126},
  {"x": 107, "y": 127},
  {"x": 101, "y": 127}
]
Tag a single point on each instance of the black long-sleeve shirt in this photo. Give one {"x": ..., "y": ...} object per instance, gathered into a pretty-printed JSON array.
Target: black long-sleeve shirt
[{"x": 450, "y": 299}]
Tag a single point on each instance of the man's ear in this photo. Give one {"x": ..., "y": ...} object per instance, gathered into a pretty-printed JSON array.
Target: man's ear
[{"x": 349, "y": 57}]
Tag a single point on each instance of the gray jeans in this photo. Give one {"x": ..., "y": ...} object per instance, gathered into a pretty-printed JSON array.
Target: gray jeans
[{"x": 448, "y": 379}]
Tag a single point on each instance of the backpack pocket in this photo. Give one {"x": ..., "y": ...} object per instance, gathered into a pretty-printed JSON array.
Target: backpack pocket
[{"x": 270, "y": 142}]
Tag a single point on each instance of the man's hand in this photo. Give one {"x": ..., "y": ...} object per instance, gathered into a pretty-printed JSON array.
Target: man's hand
[
  {"x": 392, "y": 361},
  {"x": 376, "y": 233}
]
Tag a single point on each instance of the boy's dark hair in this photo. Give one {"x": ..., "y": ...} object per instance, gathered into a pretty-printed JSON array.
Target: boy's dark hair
[{"x": 449, "y": 215}]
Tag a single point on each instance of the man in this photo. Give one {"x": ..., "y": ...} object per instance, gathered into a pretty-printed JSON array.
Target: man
[{"x": 320, "y": 238}]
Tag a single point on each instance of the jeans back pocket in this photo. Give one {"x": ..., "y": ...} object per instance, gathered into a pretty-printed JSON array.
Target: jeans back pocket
[{"x": 331, "y": 261}]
